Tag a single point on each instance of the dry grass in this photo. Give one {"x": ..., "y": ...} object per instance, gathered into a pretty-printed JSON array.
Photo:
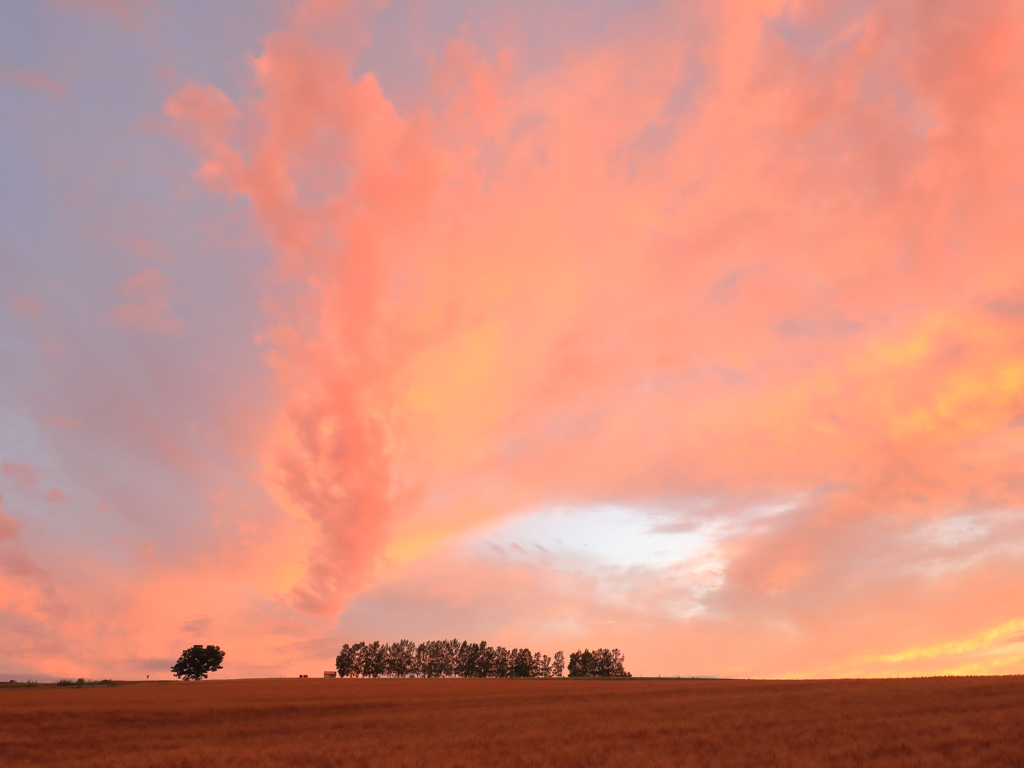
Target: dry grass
[{"x": 961, "y": 722}]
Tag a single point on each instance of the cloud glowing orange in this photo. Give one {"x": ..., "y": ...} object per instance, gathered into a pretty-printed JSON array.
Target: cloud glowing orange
[{"x": 740, "y": 278}]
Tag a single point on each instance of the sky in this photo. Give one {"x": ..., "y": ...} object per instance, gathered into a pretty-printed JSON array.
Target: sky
[{"x": 692, "y": 328}]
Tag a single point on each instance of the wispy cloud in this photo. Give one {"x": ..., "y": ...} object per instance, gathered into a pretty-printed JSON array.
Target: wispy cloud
[
  {"x": 149, "y": 308},
  {"x": 131, "y": 13},
  {"x": 27, "y": 77}
]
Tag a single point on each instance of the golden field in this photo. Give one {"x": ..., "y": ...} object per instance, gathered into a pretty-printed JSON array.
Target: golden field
[{"x": 961, "y": 722}]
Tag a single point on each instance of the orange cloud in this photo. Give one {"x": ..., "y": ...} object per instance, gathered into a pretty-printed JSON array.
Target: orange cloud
[{"x": 775, "y": 260}]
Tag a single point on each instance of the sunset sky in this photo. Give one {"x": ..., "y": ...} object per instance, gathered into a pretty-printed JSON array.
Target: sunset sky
[{"x": 690, "y": 328}]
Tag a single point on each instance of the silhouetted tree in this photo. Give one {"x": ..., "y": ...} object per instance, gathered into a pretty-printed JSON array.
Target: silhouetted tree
[
  {"x": 468, "y": 661},
  {"x": 522, "y": 663},
  {"x": 485, "y": 661},
  {"x": 197, "y": 662},
  {"x": 347, "y": 661},
  {"x": 371, "y": 659},
  {"x": 502, "y": 664},
  {"x": 541, "y": 665},
  {"x": 451, "y": 650},
  {"x": 558, "y": 665},
  {"x": 581, "y": 664},
  {"x": 427, "y": 662},
  {"x": 401, "y": 659}
]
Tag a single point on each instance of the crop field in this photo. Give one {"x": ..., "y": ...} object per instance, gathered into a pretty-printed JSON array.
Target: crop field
[{"x": 961, "y": 722}]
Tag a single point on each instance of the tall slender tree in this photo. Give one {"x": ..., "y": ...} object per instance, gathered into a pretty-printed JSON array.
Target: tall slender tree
[{"x": 558, "y": 664}]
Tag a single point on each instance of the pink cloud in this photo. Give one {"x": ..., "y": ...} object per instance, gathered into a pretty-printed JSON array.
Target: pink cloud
[
  {"x": 31, "y": 78},
  {"x": 63, "y": 422},
  {"x": 20, "y": 473},
  {"x": 150, "y": 310},
  {"x": 128, "y": 12},
  {"x": 57, "y": 496},
  {"x": 730, "y": 311},
  {"x": 26, "y": 306},
  {"x": 8, "y": 526},
  {"x": 146, "y": 248},
  {"x": 747, "y": 270}
]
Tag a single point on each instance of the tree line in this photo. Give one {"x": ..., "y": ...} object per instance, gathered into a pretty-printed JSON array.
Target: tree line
[{"x": 455, "y": 658}]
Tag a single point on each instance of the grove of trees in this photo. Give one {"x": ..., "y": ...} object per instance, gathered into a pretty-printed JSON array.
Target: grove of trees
[
  {"x": 455, "y": 658},
  {"x": 599, "y": 662}
]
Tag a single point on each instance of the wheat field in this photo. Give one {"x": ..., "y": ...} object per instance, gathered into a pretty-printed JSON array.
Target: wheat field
[{"x": 961, "y": 722}]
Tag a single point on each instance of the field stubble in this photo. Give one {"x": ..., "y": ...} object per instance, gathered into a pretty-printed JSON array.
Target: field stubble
[{"x": 962, "y": 722}]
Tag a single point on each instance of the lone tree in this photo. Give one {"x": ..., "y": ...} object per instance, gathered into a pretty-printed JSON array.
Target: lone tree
[{"x": 197, "y": 662}]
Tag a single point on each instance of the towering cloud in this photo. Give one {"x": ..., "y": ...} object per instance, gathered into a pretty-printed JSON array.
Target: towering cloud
[{"x": 727, "y": 290}]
